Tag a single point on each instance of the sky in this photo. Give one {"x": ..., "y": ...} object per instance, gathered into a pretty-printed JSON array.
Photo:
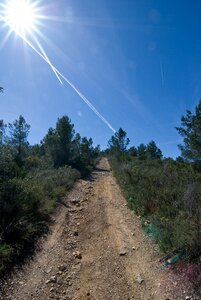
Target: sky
[{"x": 137, "y": 61}]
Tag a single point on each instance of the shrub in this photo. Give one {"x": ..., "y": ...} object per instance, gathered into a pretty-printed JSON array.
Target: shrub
[
  {"x": 25, "y": 205},
  {"x": 167, "y": 193}
]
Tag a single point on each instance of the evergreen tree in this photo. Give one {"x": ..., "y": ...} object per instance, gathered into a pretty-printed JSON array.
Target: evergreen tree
[
  {"x": 190, "y": 130},
  {"x": 59, "y": 142},
  {"x": 2, "y": 131},
  {"x": 50, "y": 144},
  {"x": 119, "y": 142},
  {"x": 133, "y": 151},
  {"x": 86, "y": 150},
  {"x": 19, "y": 131},
  {"x": 152, "y": 151},
  {"x": 141, "y": 149}
]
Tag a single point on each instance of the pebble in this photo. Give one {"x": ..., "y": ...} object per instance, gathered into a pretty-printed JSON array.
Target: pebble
[
  {"x": 59, "y": 272},
  {"x": 62, "y": 268},
  {"x": 77, "y": 254},
  {"x": 122, "y": 253},
  {"x": 139, "y": 279},
  {"x": 48, "y": 270},
  {"x": 53, "y": 279}
]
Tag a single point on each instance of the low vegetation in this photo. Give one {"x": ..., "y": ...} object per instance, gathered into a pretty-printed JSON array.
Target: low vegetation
[
  {"x": 33, "y": 180},
  {"x": 166, "y": 193}
]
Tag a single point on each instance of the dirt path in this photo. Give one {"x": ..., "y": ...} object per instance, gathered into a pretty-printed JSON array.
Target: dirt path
[{"x": 95, "y": 221}]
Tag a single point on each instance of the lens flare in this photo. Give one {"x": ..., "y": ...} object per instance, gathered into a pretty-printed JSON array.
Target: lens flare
[{"x": 20, "y": 15}]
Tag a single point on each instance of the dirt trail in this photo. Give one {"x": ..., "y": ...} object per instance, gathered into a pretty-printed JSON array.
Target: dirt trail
[{"x": 95, "y": 221}]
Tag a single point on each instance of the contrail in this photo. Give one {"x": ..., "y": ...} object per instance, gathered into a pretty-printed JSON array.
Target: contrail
[
  {"x": 59, "y": 75},
  {"x": 46, "y": 57},
  {"x": 90, "y": 105}
]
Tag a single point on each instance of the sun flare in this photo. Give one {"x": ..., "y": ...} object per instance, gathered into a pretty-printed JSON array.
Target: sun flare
[{"x": 20, "y": 15}]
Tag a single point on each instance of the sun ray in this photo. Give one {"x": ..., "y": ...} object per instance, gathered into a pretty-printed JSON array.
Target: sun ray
[
  {"x": 45, "y": 58},
  {"x": 5, "y": 39},
  {"x": 24, "y": 21}
]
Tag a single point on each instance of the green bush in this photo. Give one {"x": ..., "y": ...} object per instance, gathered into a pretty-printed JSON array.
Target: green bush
[
  {"x": 168, "y": 194},
  {"x": 7, "y": 164},
  {"x": 25, "y": 205}
]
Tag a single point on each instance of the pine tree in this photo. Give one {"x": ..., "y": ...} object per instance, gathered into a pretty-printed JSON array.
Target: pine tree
[
  {"x": 190, "y": 130},
  {"x": 153, "y": 151},
  {"x": 119, "y": 142},
  {"x": 19, "y": 131}
]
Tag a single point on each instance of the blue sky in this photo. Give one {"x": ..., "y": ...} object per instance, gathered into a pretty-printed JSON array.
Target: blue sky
[{"x": 137, "y": 61}]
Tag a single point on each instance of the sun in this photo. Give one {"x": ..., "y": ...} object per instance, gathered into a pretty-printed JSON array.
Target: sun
[{"x": 21, "y": 16}]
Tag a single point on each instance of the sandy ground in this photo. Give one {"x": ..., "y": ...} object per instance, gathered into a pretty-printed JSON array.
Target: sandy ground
[{"x": 114, "y": 260}]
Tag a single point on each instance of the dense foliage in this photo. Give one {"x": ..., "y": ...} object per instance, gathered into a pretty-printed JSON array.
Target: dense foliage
[
  {"x": 190, "y": 130},
  {"x": 164, "y": 192},
  {"x": 33, "y": 179}
]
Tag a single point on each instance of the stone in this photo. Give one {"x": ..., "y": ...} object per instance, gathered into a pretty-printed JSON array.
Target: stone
[
  {"x": 122, "y": 253},
  {"x": 47, "y": 281},
  {"x": 62, "y": 268},
  {"x": 59, "y": 272},
  {"x": 140, "y": 280},
  {"x": 77, "y": 254},
  {"x": 48, "y": 270},
  {"x": 52, "y": 279},
  {"x": 74, "y": 201}
]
